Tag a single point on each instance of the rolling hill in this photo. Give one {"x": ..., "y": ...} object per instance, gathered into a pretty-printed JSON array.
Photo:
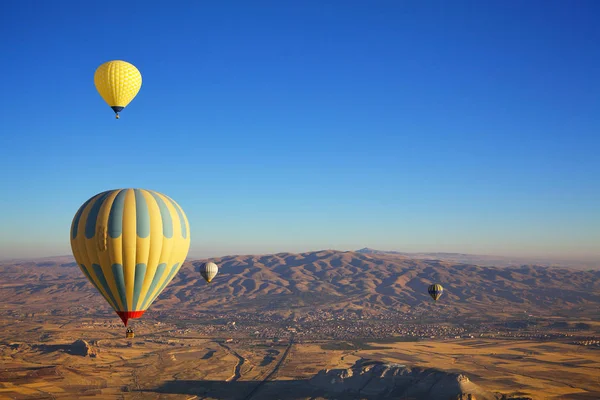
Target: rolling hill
[{"x": 324, "y": 280}]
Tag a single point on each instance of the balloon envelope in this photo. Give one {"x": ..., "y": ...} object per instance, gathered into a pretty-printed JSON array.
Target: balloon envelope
[
  {"x": 208, "y": 270},
  {"x": 130, "y": 243},
  {"x": 118, "y": 82},
  {"x": 435, "y": 291}
]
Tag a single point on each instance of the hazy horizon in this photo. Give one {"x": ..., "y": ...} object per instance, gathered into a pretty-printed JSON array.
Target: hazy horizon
[{"x": 199, "y": 254}]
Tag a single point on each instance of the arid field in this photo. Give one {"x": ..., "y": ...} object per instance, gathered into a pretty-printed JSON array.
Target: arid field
[{"x": 37, "y": 363}]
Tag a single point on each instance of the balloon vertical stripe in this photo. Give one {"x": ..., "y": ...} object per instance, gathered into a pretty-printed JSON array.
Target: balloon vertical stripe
[
  {"x": 171, "y": 275},
  {"x": 77, "y": 217},
  {"x": 88, "y": 276},
  {"x": 140, "y": 273},
  {"x": 158, "y": 276},
  {"x": 99, "y": 273},
  {"x": 83, "y": 254},
  {"x": 144, "y": 275},
  {"x": 142, "y": 216},
  {"x": 115, "y": 219},
  {"x": 155, "y": 243},
  {"x": 117, "y": 270},
  {"x": 90, "y": 224},
  {"x": 167, "y": 222},
  {"x": 181, "y": 217}
]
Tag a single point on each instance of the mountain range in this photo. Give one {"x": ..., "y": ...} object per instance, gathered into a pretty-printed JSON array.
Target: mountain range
[{"x": 367, "y": 282}]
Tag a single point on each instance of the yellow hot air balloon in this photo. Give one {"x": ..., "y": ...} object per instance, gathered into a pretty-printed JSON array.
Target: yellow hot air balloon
[
  {"x": 130, "y": 243},
  {"x": 118, "y": 82}
]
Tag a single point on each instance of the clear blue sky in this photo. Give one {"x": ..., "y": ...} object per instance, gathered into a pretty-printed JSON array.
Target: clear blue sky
[{"x": 462, "y": 126}]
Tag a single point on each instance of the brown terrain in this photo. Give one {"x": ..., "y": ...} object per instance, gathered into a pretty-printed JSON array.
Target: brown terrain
[{"x": 316, "y": 325}]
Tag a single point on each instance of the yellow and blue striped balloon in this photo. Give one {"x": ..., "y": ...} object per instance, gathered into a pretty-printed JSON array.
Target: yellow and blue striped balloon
[
  {"x": 130, "y": 243},
  {"x": 435, "y": 291}
]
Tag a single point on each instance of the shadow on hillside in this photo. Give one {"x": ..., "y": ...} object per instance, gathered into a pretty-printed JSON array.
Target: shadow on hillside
[
  {"x": 366, "y": 379},
  {"x": 293, "y": 389},
  {"x": 582, "y": 396},
  {"x": 240, "y": 390},
  {"x": 288, "y": 390},
  {"x": 50, "y": 348}
]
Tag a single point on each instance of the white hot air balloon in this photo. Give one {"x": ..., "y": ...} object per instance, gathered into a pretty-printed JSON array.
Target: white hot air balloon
[{"x": 208, "y": 270}]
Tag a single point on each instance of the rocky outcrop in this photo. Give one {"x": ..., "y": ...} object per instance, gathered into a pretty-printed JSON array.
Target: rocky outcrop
[
  {"x": 82, "y": 348},
  {"x": 44, "y": 372},
  {"x": 384, "y": 380}
]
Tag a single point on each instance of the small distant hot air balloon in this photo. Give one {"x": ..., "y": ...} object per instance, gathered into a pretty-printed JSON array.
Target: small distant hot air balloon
[
  {"x": 208, "y": 270},
  {"x": 435, "y": 291},
  {"x": 118, "y": 82},
  {"x": 130, "y": 243}
]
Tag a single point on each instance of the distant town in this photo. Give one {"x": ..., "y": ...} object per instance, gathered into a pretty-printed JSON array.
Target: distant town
[{"x": 339, "y": 326}]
